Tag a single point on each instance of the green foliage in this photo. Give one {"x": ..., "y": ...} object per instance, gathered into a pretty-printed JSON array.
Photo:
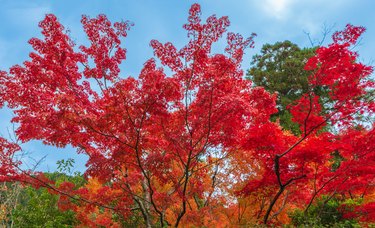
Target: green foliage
[
  {"x": 65, "y": 173},
  {"x": 326, "y": 212},
  {"x": 38, "y": 208},
  {"x": 65, "y": 165},
  {"x": 285, "y": 119},
  {"x": 280, "y": 68},
  {"x": 336, "y": 160}
]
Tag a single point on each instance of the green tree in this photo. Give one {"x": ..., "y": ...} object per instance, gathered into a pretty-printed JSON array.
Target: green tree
[
  {"x": 280, "y": 68},
  {"x": 39, "y": 208},
  {"x": 326, "y": 212}
]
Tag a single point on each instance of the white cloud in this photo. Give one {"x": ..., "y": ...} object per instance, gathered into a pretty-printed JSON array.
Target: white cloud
[{"x": 278, "y": 9}]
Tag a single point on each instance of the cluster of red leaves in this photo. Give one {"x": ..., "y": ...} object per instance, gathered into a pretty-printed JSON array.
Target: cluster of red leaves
[{"x": 8, "y": 165}]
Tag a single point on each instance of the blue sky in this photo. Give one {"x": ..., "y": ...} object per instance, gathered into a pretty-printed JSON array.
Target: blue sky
[{"x": 272, "y": 20}]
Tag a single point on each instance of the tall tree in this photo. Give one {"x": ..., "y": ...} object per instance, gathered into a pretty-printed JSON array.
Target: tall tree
[
  {"x": 279, "y": 68},
  {"x": 296, "y": 160},
  {"x": 150, "y": 137}
]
